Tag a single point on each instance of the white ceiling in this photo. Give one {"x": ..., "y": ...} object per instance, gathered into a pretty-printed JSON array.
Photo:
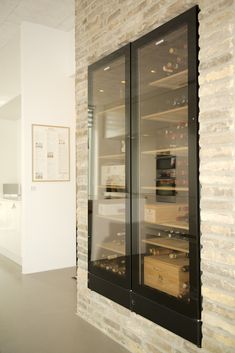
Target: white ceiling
[{"x": 53, "y": 13}]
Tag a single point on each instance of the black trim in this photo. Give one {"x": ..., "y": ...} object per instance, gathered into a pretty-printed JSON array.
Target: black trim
[
  {"x": 182, "y": 325},
  {"x": 108, "y": 289},
  {"x": 192, "y": 309}
]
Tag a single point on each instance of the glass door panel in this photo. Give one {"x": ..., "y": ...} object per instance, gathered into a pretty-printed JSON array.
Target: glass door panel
[
  {"x": 108, "y": 177},
  {"x": 164, "y": 244}
]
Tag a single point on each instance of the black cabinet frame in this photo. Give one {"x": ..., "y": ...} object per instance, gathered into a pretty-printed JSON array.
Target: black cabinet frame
[{"x": 180, "y": 318}]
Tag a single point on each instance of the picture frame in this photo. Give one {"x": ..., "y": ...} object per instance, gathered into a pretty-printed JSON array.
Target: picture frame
[{"x": 50, "y": 153}]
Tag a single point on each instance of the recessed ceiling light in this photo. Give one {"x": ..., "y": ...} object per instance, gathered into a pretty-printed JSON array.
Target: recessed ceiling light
[
  {"x": 159, "y": 42},
  {"x": 106, "y": 68},
  {"x": 123, "y": 81},
  {"x": 153, "y": 71},
  {"x": 101, "y": 90}
]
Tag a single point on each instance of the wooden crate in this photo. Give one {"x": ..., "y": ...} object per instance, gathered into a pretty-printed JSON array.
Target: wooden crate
[
  {"x": 164, "y": 213},
  {"x": 166, "y": 275}
]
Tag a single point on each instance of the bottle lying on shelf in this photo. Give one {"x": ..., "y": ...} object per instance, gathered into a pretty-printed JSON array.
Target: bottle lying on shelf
[
  {"x": 111, "y": 257},
  {"x": 112, "y": 263},
  {"x": 177, "y": 255},
  {"x": 156, "y": 251}
]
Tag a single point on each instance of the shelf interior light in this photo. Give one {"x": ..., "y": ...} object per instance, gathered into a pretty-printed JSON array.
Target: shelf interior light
[{"x": 159, "y": 42}]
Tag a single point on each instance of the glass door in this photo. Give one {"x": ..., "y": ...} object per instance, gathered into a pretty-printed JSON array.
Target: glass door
[
  {"x": 165, "y": 233},
  {"x": 109, "y": 168}
]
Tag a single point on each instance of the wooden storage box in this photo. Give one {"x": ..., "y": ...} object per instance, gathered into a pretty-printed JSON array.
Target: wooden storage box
[
  {"x": 164, "y": 213},
  {"x": 166, "y": 275}
]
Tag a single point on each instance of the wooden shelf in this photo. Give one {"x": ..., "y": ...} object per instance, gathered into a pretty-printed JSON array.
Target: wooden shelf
[
  {"x": 170, "y": 243},
  {"x": 173, "y": 115},
  {"x": 164, "y": 188},
  {"x": 111, "y": 195},
  {"x": 172, "y": 82},
  {"x": 113, "y": 156},
  {"x": 170, "y": 149},
  {"x": 178, "y": 225},
  {"x": 113, "y": 218},
  {"x": 118, "y": 107},
  {"x": 112, "y": 187},
  {"x": 119, "y": 249}
]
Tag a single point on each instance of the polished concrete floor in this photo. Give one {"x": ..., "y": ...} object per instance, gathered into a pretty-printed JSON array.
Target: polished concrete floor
[{"x": 37, "y": 315}]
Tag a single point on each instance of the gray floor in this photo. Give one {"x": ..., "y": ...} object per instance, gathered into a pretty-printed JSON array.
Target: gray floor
[{"x": 37, "y": 315}]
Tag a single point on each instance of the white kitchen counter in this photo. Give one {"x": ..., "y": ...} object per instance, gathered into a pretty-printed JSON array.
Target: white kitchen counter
[{"x": 10, "y": 229}]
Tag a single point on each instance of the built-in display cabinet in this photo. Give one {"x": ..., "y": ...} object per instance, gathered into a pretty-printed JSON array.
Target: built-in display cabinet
[{"x": 143, "y": 226}]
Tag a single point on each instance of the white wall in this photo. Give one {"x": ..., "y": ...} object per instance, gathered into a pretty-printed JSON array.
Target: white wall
[
  {"x": 48, "y": 209},
  {"x": 10, "y": 70},
  {"x": 9, "y": 152},
  {"x": 10, "y": 211}
]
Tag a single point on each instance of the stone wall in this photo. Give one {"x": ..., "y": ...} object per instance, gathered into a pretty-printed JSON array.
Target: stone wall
[{"x": 103, "y": 26}]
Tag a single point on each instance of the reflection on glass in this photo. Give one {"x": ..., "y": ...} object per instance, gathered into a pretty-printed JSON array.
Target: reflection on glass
[
  {"x": 163, "y": 164},
  {"x": 107, "y": 186}
]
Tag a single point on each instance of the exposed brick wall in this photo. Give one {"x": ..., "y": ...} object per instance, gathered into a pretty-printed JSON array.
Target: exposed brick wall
[{"x": 102, "y": 26}]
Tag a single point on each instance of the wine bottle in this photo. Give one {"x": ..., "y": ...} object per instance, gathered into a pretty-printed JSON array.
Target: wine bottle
[
  {"x": 111, "y": 257},
  {"x": 185, "y": 285},
  {"x": 173, "y": 51},
  {"x": 121, "y": 234},
  {"x": 123, "y": 148},
  {"x": 170, "y": 67},
  {"x": 185, "y": 269},
  {"x": 176, "y": 255},
  {"x": 114, "y": 269}
]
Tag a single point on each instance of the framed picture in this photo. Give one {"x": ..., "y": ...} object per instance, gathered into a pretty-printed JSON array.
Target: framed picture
[{"x": 50, "y": 153}]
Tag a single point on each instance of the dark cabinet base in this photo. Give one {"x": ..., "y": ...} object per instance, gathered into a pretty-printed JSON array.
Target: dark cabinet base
[
  {"x": 188, "y": 328},
  {"x": 109, "y": 290}
]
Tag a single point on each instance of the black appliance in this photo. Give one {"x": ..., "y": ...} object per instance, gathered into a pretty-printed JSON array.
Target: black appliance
[{"x": 165, "y": 181}]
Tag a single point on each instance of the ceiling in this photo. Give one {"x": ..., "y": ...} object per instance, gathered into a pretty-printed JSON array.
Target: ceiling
[{"x": 53, "y": 13}]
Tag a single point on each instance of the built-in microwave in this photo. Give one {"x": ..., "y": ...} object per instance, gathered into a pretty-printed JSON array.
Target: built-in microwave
[{"x": 165, "y": 178}]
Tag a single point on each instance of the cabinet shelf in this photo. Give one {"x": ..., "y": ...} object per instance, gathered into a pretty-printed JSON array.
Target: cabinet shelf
[
  {"x": 176, "y": 225},
  {"x": 172, "y": 82},
  {"x": 113, "y": 156},
  {"x": 174, "y": 244},
  {"x": 113, "y": 186},
  {"x": 120, "y": 219},
  {"x": 164, "y": 188},
  {"x": 118, "y": 107},
  {"x": 172, "y": 115},
  {"x": 116, "y": 248},
  {"x": 165, "y": 150}
]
